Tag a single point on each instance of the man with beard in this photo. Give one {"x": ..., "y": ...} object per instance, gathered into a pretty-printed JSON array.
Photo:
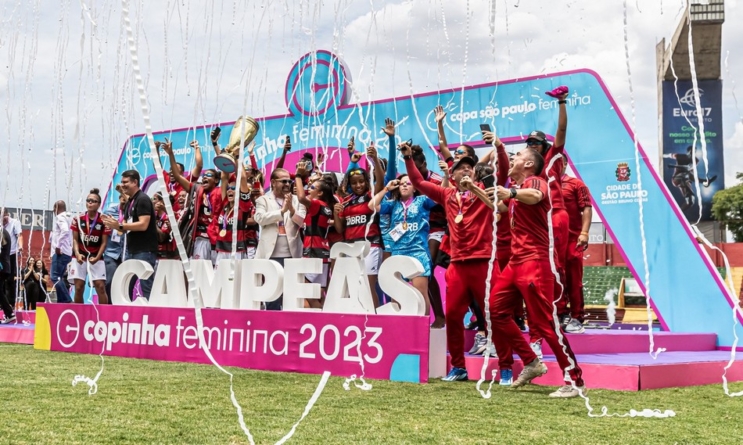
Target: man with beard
[
  {"x": 281, "y": 217},
  {"x": 139, "y": 225}
]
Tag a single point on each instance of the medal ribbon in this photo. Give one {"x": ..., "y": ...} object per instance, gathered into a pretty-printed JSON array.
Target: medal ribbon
[
  {"x": 226, "y": 218},
  {"x": 405, "y": 207}
]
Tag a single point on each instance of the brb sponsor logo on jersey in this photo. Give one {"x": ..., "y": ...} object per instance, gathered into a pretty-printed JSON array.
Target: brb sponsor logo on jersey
[{"x": 355, "y": 220}]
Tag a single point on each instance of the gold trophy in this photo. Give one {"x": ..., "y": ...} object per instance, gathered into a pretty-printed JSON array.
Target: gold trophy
[{"x": 243, "y": 133}]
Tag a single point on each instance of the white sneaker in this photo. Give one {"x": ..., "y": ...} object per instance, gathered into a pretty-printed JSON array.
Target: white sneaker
[
  {"x": 568, "y": 392},
  {"x": 530, "y": 372},
  {"x": 574, "y": 326},
  {"x": 537, "y": 348}
]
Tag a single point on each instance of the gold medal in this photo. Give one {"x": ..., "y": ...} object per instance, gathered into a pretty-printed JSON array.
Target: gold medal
[
  {"x": 222, "y": 233},
  {"x": 459, "y": 218},
  {"x": 404, "y": 226}
]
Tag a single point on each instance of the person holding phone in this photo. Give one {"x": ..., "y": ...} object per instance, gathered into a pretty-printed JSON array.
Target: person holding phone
[{"x": 31, "y": 284}]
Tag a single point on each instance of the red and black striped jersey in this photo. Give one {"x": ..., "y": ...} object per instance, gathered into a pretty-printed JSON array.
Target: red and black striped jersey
[
  {"x": 89, "y": 232},
  {"x": 225, "y": 220},
  {"x": 360, "y": 224},
  {"x": 316, "y": 229}
]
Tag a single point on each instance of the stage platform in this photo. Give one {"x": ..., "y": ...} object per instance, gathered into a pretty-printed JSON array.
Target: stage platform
[
  {"x": 615, "y": 359},
  {"x": 17, "y": 333},
  {"x": 619, "y": 360},
  {"x": 21, "y": 331}
]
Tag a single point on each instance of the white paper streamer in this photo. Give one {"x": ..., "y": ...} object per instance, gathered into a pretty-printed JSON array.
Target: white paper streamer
[{"x": 195, "y": 295}]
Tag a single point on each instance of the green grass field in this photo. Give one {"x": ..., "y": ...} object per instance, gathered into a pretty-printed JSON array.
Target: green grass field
[{"x": 142, "y": 401}]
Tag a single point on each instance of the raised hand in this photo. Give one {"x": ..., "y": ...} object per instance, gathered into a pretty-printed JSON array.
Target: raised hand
[
  {"x": 444, "y": 167},
  {"x": 351, "y": 146},
  {"x": 215, "y": 134},
  {"x": 392, "y": 185},
  {"x": 466, "y": 182},
  {"x": 439, "y": 114},
  {"x": 389, "y": 127},
  {"x": 301, "y": 169},
  {"x": 194, "y": 145},
  {"x": 372, "y": 152},
  {"x": 356, "y": 157},
  {"x": 337, "y": 209},
  {"x": 405, "y": 149},
  {"x": 488, "y": 137},
  {"x": 167, "y": 147}
]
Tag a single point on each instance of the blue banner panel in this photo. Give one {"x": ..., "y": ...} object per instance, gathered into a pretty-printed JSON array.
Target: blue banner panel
[{"x": 681, "y": 127}]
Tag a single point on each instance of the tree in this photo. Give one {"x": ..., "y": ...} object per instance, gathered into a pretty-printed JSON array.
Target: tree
[{"x": 727, "y": 208}]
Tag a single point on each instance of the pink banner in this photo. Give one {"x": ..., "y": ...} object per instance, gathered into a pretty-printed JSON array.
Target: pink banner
[{"x": 392, "y": 347}]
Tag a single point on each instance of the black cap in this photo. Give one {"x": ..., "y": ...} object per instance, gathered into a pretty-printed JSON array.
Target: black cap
[
  {"x": 537, "y": 136},
  {"x": 463, "y": 160}
]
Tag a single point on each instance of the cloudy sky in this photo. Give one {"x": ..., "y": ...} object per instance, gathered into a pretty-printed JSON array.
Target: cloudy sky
[{"x": 69, "y": 100}]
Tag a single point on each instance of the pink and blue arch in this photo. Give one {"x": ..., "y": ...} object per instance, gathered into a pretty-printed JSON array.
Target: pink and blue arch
[{"x": 688, "y": 293}]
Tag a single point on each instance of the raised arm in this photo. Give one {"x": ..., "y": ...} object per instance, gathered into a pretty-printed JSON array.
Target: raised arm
[
  {"x": 439, "y": 116},
  {"x": 376, "y": 203},
  {"x": 215, "y": 140},
  {"x": 301, "y": 195},
  {"x": 198, "y": 160},
  {"x": 477, "y": 191},
  {"x": 185, "y": 183},
  {"x": 501, "y": 155},
  {"x": 371, "y": 153},
  {"x": 562, "y": 121},
  {"x": 389, "y": 130},
  {"x": 223, "y": 182},
  {"x": 433, "y": 191},
  {"x": 287, "y": 149}
]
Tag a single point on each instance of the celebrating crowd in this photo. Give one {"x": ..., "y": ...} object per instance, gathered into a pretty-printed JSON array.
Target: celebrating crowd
[{"x": 523, "y": 205}]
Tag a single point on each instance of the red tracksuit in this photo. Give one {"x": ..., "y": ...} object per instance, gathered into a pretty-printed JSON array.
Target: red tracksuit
[
  {"x": 528, "y": 274},
  {"x": 470, "y": 249},
  {"x": 577, "y": 198}
]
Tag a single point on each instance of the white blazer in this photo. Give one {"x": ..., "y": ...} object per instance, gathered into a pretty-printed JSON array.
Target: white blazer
[{"x": 267, "y": 215}]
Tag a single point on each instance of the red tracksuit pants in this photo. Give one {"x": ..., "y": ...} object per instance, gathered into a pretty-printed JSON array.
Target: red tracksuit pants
[
  {"x": 560, "y": 231},
  {"x": 465, "y": 282},
  {"x": 573, "y": 281},
  {"x": 534, "y": 281}
]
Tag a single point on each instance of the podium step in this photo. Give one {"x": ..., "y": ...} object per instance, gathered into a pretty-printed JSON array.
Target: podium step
[{"x": 631, "y": 371}]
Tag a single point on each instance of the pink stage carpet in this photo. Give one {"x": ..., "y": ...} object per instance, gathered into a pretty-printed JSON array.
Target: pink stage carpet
[{"x": 619, "y": 360}]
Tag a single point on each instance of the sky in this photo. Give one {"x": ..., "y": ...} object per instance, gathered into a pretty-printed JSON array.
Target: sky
[{"x": 68, "y": 98}]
